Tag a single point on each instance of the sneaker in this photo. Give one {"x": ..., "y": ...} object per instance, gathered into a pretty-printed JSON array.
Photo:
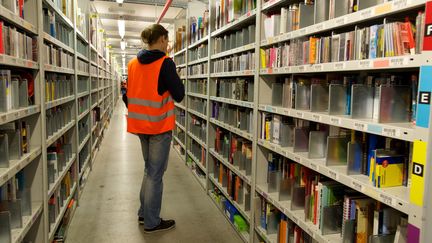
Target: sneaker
[
  {"x": 141, "y": 220},
  {"x": 163, "y": 226}
]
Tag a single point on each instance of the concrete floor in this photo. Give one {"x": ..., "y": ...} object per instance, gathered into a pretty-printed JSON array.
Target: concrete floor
[{"x": 108, "y": 206}]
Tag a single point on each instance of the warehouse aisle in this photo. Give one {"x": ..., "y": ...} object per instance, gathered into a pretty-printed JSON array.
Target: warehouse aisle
[{"x": 108, "y": 206}]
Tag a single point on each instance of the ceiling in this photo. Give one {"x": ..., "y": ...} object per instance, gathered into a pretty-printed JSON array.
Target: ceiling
[{"x": 137, "y": 14}]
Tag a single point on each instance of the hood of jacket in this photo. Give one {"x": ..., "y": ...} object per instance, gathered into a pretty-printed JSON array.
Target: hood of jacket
[{"x": 149, "y": 56}]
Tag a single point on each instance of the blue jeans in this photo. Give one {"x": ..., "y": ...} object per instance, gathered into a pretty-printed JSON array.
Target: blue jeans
[{"x": 155, "y": 149}]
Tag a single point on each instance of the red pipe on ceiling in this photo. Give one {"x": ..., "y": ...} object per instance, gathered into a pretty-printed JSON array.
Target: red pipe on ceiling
[{"x": 165, "y": 9}]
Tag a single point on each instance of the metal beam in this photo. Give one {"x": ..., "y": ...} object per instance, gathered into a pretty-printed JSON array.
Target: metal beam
[
  {"x": 133, "y": 18},
  {"x": 127, "y": 37},
  {"x": 128, "y": 29}
]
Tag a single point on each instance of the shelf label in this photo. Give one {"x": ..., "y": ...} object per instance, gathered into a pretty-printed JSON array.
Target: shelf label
[
  {"x": 310, "y": 232},
  {"x": 318, "y": 67},
  {"x": 297, "y": 159},
  {"x": 335, "y": 121},
  {"x": 398, "y": 62},
  {"x": 365, "y": 64},
  {"x": 299, "y": 114},
  {"x": 391, "y": 132},
  {"x": 303, "y": 31},
  {"x": 294, "y": 219},
  {"x": 387, "y": 199},
  {"x": 301, "y": 68},
  {"x": 360, "y": 126},
  {"x": 366, "y": 13},
  {"x": 339, "y": 66},
  {"x": 316, "y": 117},
  {"x": 286, "y": 112},
  {"x": 319, "y": 27},
  {"x": 5, "y": 177},
  {"x": 313, "y": 166},
  {"x": 3, "y": 118},
  {"x": 381, "y": 63},
  {"x": 357, "y": 186},
  {"x": 341, "y": 20},
  {"x": 333, "y": 175},
  {"x": 1, "y": 58}
]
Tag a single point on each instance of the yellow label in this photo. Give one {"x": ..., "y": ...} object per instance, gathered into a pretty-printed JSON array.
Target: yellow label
[
  {"x": 417, "y": 172},
  {"x": 383, "y": 9}
]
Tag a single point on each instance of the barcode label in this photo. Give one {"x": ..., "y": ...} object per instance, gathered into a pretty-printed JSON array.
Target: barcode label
[
  {"x": 398, "y": 62},
  {"x": 365, "y": 64},
  {"x": 316, "y": 117},
  {"x": 366, "y": 14},
  {"x": 359, "y": 187},
  {"x": 314, "y": 166},
  {"x": 301, "y": 68},
  {"x": 319, "y": 27},
  {"x": 335, "y": 121},
  {"x": 297, "y": 159},
  {"x": 333, "y": 175},
  {"x": 318, "y": 67},
  {"x": 299, "y": 114},
  {"x": 391, "y": 132},
  {"x": 386, "y": 199},
  {"x": 340, "y": 21},
  {"x": 285, "y": 112},
  {"x": 399, "y": 3},
  {"x": 339, "y": 66},
  {"x": 360, "y": 126}
]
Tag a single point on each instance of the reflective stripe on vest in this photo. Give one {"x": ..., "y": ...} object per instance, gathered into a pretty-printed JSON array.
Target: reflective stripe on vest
[
  {"x": 145, "y": 117},
  {"x": 150, "y": 103}
]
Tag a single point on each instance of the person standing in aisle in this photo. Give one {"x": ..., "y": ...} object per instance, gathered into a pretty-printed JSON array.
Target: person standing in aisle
[{"x": 153, "y": 83}]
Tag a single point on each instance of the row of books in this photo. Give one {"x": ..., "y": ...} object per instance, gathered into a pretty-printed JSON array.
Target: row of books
[
  {"x": 14, "y": 91},
  {"x": 197, "y": 53},
  {"x": 83, "y": 85},
  {"x": 58, "y": 155},
  {"x": 59, "y": 199},
  {"x": 273, "y": 221},
  {"x": 182, "y": 71},
  {"x": 390, "y": 39},
  {"x": 229, "y": 11},
  {"x": 180, "y": 58},
  {"x": 58, "y": 117},
  {"x": 197, "y": 69},
  {"x": 58, "y": 57},
  {"x": 230, "y": 210},
  {"x": 237, "y": 62},
  {"x": 65, "y": 6},
  {"x": 83, "y": 104},
  {"x": 180, "y": 116},
  {"x": 55, "y": 28},
  {"x": 82, "y": 47},
  {"x": 83, "y": 155},
  {"x": 15, "y": 204},
  {"x": 236, "y": 39},
  {"x": 14, "y": 141},
  {"x": 198, "y": 27},
  {"x": 81, "y": 22},
  {"x": 95, "y": 115},
  {"x": 359, "y": 152},
  {"x": 94, "y": 83},
  {"x": 15, "y": 6},
  {"x": 57, "y": 86},
  {"x": 198, "y": 151},
  {"x": 236, "y": 188},
  {"x": 198, "y": 86},
  {"x": 197, "y": 104},
  {"x": 354, "y": 216},
  {"x": 82, "y": 66},
  {"x": 93, "y": 70},
  {"x": 198, "y": 127},
  {"x": 180, "y": 42},
  {"x": 180, "y": 134},
  {"x": 235, "y": 149},
  {"x": 17, "y": 44},
  {"x": 83, "y": 130},
  {"x": 61, "y": 232},
  {"x": 384, "y": 98},
  {"x": 235, "y": 116},
  {"x": 237, "y": 89}
]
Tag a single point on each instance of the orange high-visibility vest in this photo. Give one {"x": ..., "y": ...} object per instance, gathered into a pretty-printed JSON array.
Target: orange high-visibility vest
[{"x": 148, "y": 112}]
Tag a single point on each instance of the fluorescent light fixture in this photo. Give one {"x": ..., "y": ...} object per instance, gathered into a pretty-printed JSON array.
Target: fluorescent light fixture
[
  {"x": 119, "y": 1},
  {"x": 121, "y": 27},
  {"x": 122, "y": 45}
]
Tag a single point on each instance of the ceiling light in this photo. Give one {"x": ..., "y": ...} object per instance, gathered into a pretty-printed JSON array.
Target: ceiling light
[
  {"x": 121, "y": 27},
  {"x": 122, "y": 45},
  {"x": 119, "y": 1}
]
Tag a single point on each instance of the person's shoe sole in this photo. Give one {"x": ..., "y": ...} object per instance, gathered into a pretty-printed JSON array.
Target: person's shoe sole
[{"x": 159, "y": 230}]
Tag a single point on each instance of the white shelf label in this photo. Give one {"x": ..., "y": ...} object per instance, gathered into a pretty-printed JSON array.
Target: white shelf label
[
  {"x": 319, "y": 27},
  {"x": 366, "y": 13},
  {"x": 365, "y": 64},
  {"x": 316, "y": 117},
  {"x": 339, "y": 66},
  {"x": 318, "y": 67},
  {"x": 299, "y": 114},
  {"x": 357, "y": 186},
  {"x": 398, "y": 62},
  {"x": 297, "y": 159},
  {"x": 360, "y": 126},
  {"x": 391, "y": 132},
  {"x": 341, "y": 20},
  {"x": 335, "y": 120},
  {"x": 5, "y": 177},
  {"x": 387, "y": 199},
  {"x": 313, "y": 166},
  {"x": 333, "y": 175},
  {"x": 301, "y": 68},
  {"x": 398, "y": 4},
  {"x": 303, "y": 31},
  {"x": 3, "y": 118}
]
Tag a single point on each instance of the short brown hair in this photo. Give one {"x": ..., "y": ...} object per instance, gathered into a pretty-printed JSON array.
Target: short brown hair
[{"x": 152, "y": 33}]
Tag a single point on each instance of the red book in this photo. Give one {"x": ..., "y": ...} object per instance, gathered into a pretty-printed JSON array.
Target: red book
[
  {"x": 412, "y": 43},
  {"x": 21, "y": 8},
  {"x": 1, "y": 38}
]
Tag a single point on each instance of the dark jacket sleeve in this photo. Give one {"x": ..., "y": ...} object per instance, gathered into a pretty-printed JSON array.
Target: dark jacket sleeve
[{"x": 170, "y": 81}]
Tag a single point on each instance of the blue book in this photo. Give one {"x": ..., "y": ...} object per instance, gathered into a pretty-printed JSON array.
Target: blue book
[{"x": 374, "y": 142}]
